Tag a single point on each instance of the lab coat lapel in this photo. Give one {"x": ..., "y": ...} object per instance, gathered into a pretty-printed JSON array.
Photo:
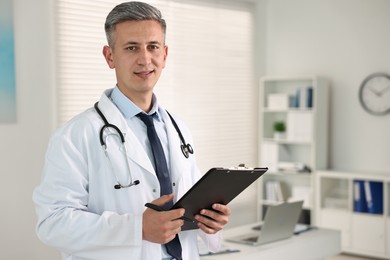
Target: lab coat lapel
[
  {"x": 135, "y": 151},
  {"x": 178, "y": 162}
]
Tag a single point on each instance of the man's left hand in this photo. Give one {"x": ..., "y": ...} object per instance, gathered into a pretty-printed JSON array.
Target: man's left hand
[{"x": 212, "y": 221}]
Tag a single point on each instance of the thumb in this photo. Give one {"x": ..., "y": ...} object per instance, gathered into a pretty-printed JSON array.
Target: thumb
[{"x": 163, "y": 200}]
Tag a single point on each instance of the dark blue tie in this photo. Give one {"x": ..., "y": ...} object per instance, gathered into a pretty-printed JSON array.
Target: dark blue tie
[{"x": 174, "y": 246}]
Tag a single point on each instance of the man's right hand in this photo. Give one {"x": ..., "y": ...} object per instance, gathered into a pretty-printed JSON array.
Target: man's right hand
[{"x": 161, "y": 226}]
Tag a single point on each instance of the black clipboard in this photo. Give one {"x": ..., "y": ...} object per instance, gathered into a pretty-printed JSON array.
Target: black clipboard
[{"x": 218, "y": 185}]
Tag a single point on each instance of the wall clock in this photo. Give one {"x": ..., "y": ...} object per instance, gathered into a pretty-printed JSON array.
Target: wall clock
[{"x": 374, "y": 94}]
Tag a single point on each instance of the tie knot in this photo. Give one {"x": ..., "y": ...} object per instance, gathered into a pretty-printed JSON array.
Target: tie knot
[{"x": 147, "y": 119}]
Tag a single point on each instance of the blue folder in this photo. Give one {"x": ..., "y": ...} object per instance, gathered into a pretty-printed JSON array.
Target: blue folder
[
  {"x": 359, "y": 198},
  {"x": 374, "y": 196},
  {"x": 309, "y": 101}
]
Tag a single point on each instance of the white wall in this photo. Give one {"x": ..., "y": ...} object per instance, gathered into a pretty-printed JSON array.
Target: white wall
[
  {"x": 343, "y": 41},
  {"x": 24, "y": 143}
]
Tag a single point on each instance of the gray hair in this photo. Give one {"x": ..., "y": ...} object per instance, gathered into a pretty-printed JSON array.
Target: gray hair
[{"x": 131, "y": 11}]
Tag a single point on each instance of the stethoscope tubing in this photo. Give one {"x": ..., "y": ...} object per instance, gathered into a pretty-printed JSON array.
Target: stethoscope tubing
[{"x": 186, "y": 148}]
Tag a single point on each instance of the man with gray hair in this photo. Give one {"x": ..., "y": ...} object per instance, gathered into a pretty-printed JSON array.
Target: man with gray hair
[{"x": 104, "y": 165}]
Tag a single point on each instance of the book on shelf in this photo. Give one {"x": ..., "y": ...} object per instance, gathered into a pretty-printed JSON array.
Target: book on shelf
[
  {"x": 359, "y": 196},
  {"x": 368, "y": 196},
  {"x": 309, "y": 99},
  {"x": 293, "y": 167},
  {"x": 303, "y": 98},
  {"x": 273, "y": 191},
  {"x": 374, "y": 196}
]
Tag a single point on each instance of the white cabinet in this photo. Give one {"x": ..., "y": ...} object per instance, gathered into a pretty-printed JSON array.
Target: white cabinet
[
  {"x": 368, "y": 233},
  {"x": 364, "y": 230},
  {"x": 337, "y": 219},
  {"x": 387, "y": 235},
  {"x": 301, "y": 104}
]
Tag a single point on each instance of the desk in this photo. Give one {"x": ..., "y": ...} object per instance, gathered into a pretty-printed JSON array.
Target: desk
[{"x": 310, "y": 245}]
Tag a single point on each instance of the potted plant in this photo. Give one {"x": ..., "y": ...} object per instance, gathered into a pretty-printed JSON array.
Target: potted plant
[{"x": 279, "y": 130}]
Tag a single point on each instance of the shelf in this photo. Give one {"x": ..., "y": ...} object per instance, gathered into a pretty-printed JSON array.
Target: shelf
[
  {"x": 334, "y": 193},
  {"x": 336, "y": 211},
  {"x": 286, "y": 141},
  {"x": 302, "y": 104},
  {"x": 289, "y": 173},
  {"x": 300, "y": 124},
  {"x": 292, "y": 110}
]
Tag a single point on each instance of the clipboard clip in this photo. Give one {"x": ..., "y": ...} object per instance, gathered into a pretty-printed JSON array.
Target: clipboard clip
[{"x": 241, "y": 166}]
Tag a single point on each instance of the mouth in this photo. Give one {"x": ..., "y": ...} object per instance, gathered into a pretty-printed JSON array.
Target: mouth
[{"x": 144, "y": 73}]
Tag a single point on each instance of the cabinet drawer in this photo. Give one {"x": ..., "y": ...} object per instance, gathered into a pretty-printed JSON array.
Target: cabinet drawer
[{"x": 367, "y": 233}]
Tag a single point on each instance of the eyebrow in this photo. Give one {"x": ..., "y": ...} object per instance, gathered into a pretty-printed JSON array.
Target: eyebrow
[{"x": 137, "y": 43}]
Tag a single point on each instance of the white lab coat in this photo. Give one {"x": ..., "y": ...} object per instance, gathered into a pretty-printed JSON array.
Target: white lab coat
[{"x": 79, "y": 211}]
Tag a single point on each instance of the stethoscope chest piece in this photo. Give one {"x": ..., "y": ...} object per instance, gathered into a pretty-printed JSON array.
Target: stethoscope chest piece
[{"x": 186, "y": 150}]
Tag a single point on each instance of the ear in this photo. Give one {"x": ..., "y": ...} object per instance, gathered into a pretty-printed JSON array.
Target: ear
[
  {"x": 165, "y": 55},
  {"x": 108, "y": 55}
]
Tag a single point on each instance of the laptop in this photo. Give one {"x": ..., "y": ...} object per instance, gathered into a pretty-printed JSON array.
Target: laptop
[{"x": 279, "y": 223}]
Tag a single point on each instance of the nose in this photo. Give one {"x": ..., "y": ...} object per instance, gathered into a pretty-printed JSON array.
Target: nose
[{"x": 144, "y": 57}]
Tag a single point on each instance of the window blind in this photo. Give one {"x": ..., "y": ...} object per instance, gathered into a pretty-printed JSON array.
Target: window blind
[{"x": 208, "y": 81}]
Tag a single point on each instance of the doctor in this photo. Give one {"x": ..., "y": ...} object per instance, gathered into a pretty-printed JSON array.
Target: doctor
[{"x": 79, "y": 211}]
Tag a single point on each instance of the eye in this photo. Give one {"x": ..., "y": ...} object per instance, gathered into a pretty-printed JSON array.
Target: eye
[
  {"x": 131, "y": 48},
  {"x": 154, "y": 47}
]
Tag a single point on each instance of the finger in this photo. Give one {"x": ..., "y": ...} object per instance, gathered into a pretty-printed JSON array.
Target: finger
[
  {"x": 177, "y": 214},
  {"x": 225, "y": 210},
  {"x": 207, "y": 229},
  {"x": 169, "y": 219},
  {"x": 158, "y": 227},
  {"x": 215, "y": 216},
  {"x": 209, "y": 222},
  {"x": 170, "y": 232}
]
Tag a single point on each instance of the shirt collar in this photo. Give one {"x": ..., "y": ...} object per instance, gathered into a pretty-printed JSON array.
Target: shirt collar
[{"x": 128, "y": 108}]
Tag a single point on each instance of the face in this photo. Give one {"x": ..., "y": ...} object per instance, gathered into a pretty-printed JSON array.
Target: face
[{"x": 138, "y": 57}]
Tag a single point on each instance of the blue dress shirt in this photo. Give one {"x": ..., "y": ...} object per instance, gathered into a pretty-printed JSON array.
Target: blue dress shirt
[{"x": 130, "y": 110}]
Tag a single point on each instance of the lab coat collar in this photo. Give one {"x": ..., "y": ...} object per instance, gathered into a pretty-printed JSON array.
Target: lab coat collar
[
  {"x": 179, "y": 165},
  {"x": 130, "y": 109},
  {"x": 135, "y": 150}
]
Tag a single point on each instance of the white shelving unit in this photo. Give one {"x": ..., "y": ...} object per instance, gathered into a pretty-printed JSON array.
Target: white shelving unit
[
  {"x": 305, "y": 142},
  {"x": 362, "y": 233}
]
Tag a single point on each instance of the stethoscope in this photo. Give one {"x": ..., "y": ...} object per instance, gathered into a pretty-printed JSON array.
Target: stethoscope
[{"x": 186, "y": 148}]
